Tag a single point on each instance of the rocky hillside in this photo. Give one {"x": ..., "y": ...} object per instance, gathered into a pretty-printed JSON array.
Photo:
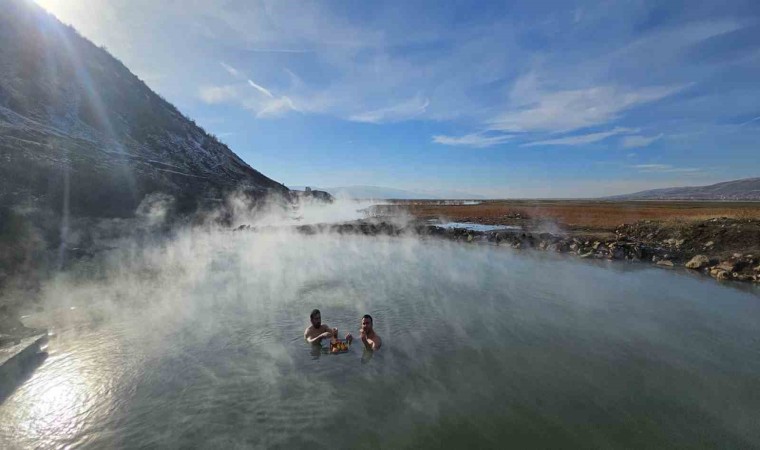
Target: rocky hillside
[
  {"x": 79, "y": 131},
  {"x": 746, "y": 189}
]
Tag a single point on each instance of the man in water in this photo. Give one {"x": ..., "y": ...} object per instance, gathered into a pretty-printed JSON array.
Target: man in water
[
  {"x": 370, "y": 339},
  {"x": 318, "y": 331}
]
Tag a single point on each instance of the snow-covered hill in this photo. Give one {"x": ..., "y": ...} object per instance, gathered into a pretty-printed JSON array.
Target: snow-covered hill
[{"x": 79, "y": 130}]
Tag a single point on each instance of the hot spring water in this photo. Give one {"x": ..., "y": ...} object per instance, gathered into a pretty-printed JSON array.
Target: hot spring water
[{"x": 197, "y": 342}]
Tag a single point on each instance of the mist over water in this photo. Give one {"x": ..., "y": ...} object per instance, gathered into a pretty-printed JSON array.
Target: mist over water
[{"x": 197, "y": 340}]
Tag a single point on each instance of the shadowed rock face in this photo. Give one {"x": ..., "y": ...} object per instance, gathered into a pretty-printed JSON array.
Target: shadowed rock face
[{"x": 79, "y": 131}]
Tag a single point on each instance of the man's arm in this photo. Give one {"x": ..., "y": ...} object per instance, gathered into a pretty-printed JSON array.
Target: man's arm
[
  {"x": 325, "y": 334},
  {"x": 376, "y": 343},
  {"x": 371, "y": 344}
]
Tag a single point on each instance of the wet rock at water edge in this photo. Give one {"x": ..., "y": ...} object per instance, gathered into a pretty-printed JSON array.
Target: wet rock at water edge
[
  {"x": 698, "y": 262},
  {"x": 719, "y": 273},
  {"x": 727, "y": 266}
]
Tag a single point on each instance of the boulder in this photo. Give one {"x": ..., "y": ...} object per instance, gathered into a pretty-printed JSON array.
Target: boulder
[
  {"x": 728, "y": 266},
  {"x": 665, "y": 263},
  {"x": 698, "y": 262},
  {"x": 617, "y": 253},
  {"x": 719, "y": 274}
]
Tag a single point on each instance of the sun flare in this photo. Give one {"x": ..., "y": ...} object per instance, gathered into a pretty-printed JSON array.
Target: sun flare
[{"x": 64, "y": 10}]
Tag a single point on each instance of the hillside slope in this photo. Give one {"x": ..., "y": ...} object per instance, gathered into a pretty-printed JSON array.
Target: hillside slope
[
  {"x": 745, "y": 189},
  {"x": 79, "y": 131}
]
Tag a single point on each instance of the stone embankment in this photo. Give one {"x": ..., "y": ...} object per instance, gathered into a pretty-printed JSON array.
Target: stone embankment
[{"x": 726, "y": 249}]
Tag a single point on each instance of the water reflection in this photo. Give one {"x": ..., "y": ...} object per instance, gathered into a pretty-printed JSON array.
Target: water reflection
[{"x": 15, "y": 376}]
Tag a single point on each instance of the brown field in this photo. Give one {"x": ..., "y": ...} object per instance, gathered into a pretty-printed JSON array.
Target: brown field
[{"x": 579, "y": 215}]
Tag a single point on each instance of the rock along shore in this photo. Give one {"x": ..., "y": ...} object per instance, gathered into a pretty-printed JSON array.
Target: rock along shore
[{"x": 726, "y": 249}]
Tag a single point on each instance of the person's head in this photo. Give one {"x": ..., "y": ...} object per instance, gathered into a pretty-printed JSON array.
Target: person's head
[
  {"x": 367, "y": 323},
  {"x": 316, "y": 318}
]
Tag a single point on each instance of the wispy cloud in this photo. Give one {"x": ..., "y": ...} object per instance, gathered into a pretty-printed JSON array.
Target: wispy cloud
[
  {"x": 273, "y": 107},
  {"x": 231, "y": 70},
  {"x": 239, "y": 75},
  {"x": 664, "y": 168},
  {"x": 537, "y": 110},
  {"x": 476, "y": 140},
  {"x": 260, "y": 88},
  {"x": 262, "y": 102},
  {"x": 394, "y": 113},
  {"x": 639, "y": 141},
  {"x": 218, "y": 94},
  {"x": 749, "y": 121},
  {"x": 583, "y": 138},
  {"x": 278, "y": 50}
]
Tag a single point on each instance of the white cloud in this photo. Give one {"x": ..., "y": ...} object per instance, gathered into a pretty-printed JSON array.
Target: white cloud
[
  {"x": 275, "y": 107},
  {"x": 262, "y": 102},
  {"x": 750, "y": 121},
  {"x": 231, "y": 70},
  {"x": 270, "y": 106},
  {"x": 218, "y": 94},
  {"x": 401, "y": 111},
  {"x": 535, "y": 110},
  {"x": 260, "y": 88},
  {"x": 476, "y": 140},
  {"x": 582, "y": 139},
  {"x": 639, "y": 141},
  {"x": 664, "y": 168}
]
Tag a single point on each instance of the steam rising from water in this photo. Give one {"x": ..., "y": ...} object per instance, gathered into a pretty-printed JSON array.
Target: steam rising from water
[{"x": 196, "y": 339}]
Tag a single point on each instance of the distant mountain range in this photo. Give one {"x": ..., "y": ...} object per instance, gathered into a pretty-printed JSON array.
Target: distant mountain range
[
  {"x": 385, "y": 193},
  {"x": 745, "y": 189},
  {"x": 79, "y": 131}
]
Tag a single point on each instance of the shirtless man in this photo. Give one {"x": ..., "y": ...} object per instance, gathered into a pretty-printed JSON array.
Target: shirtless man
[
  {"x": 318, "y": 331},
  {"x": 370, "y": 339}
]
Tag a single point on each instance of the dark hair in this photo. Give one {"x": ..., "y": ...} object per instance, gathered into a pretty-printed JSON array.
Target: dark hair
[
  {"x": 314, "y": 312},
  {"x": 367, "y": 316}
]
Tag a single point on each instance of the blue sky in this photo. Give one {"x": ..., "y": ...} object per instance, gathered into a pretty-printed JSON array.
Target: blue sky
[{"x": 502, "y": 99}]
